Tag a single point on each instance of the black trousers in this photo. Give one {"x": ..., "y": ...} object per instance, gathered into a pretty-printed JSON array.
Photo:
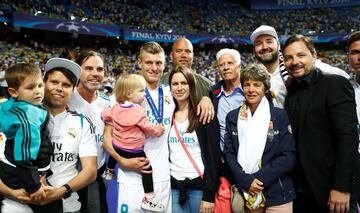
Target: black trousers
[
  {"x": 111, "y": 163},
  {"x": 306, "y": 203},
  {"x": 83, "y": 194},
  {"x": 12, "y": 180}
]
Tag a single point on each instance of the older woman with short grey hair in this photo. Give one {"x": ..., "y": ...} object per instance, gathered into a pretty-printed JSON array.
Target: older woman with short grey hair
[{"x": 259, "y": 148}]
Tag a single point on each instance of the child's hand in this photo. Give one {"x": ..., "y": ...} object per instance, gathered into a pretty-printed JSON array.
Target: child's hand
[
  {"x": 162, "y": 128},
  {"x": 38, "y": 195},
  {"x": 21, "y": 195}
]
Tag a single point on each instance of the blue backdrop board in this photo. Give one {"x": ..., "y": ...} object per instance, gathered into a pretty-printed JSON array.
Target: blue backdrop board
[{"x": 44, "y": 23}]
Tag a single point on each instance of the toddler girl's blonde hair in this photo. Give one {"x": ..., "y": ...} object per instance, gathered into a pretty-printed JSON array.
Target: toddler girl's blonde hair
[{"x": 126, "y": 84}]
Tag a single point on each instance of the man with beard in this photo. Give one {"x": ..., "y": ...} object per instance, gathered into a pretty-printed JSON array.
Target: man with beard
[
  {"x": 88, "y": 100},
  {"x": 267, "y": 51}
]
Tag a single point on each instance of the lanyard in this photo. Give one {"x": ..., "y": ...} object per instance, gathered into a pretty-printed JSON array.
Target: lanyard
[
  {"x": 159, "y": 114},
  {"x": 186, "y": 150}
]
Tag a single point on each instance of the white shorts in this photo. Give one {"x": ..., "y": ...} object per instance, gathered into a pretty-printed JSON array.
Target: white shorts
[
  {"x": 130, "y": 196},
  {"x": 11, "y": 206}
]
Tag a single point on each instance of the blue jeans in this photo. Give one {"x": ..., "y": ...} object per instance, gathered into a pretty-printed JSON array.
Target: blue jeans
[{"x": 192, "y": 204}]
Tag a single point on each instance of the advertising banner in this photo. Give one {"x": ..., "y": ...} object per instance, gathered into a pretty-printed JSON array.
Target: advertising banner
[
  {"x": 300, "y": 4},
  {"x": 61, "y": 25}
]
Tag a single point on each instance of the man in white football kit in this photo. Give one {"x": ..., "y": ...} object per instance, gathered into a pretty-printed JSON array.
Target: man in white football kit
[
  {"x": 72, "y": 136},
  {"x": 159, "y": 109},
  {"x": 89, "y": 101}
]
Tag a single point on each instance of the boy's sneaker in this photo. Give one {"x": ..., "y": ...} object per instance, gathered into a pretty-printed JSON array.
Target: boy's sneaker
[
  {"x": 152, "y": 205},
  {"x": 109, "y": 174}
]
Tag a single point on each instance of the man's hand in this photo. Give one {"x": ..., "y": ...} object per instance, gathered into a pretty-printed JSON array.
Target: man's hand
[
  {"x": 339, "y": 202},
  {"x": 206, "y": 207},
  {"x": 38, "y": 195},
  {"x": 206, "y": 110},
  {"x": 52, "y": 194},
  {"x": 140, "y": 164},
  {"x": 256, "y": 187}
]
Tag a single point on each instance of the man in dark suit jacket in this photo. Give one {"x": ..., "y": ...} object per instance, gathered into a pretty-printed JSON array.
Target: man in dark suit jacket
[{"x": 322, "y": 113}]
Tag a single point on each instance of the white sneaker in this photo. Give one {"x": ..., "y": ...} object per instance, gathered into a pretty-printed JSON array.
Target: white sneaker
[{"x": 152, "y": 205}]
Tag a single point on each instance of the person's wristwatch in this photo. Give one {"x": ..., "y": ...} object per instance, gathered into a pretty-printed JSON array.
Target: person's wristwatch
[{"x": 68, "y": 191}]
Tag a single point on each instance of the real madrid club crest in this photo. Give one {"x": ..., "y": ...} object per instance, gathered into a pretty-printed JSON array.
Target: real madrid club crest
[
  {"x": 72, "y": 133},
  {"x": 167, "y": 99}
]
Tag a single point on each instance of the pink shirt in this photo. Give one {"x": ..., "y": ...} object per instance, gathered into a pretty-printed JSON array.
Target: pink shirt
[{"x": 131, "y": 126}]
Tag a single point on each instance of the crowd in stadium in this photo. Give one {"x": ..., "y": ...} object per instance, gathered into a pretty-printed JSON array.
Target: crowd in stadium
[{"x": 203, "y": 17}]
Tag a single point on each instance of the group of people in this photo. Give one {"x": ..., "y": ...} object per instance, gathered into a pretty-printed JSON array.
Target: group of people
[
  {"x": 282, "y": 130},
  {"x": 122, "y": 59}
]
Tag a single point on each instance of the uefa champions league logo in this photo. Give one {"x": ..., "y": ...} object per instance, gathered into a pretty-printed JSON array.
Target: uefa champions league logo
[
  {"x": 223, "y": 39},
  {"x": 72, "y": 26}
]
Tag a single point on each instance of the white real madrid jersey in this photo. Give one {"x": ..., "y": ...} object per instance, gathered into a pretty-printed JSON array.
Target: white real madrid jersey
[
  {"x": 72, "y": 137},
  {"x": 93, "y": 112}
]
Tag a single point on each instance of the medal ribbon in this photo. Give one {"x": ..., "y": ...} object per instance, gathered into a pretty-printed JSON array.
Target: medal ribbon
[{"x": 159, "y": 114}]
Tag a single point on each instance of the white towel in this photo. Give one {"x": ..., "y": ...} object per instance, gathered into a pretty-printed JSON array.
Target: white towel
[{"x": 252, "y": 133}]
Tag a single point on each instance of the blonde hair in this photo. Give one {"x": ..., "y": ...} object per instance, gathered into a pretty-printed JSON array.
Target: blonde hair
[
  {"x": 127, "y": 83},
  {"x": 151, "y": 47}
]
